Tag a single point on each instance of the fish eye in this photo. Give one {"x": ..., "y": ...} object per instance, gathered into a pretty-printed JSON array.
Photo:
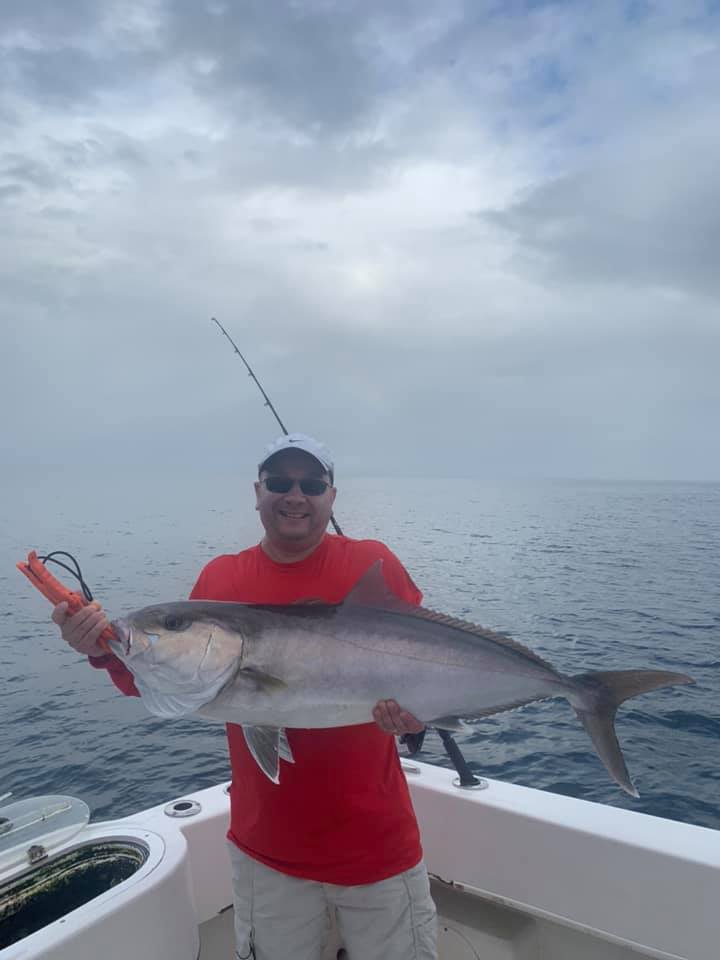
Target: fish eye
[{"x": 173, "y": 622}]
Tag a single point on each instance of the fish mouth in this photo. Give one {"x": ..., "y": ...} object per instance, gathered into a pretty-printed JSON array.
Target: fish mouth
[{"x": 121, "y": 643}]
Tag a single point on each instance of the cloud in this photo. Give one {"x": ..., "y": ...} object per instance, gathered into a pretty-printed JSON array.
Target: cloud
[
  {"x": 46, "y": 22},
  {"x": 488, "y": 225},
  {"x": 648, "y": 215},
  {"x": 279, "y": 58},
  {"x": 9, "y": 190},
  {"x": 17, "y": 167}
]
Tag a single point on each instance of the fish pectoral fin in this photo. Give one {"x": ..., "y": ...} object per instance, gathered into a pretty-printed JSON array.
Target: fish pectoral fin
[
  {"x": 448, "y": 723},
  {"x": 268, "y": 745},
  {"x": 262, "y": 680},
  {"x": 284, "y": 747}
]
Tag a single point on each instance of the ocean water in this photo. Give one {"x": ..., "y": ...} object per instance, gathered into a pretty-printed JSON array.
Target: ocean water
[{"x": 590, "y": 575}]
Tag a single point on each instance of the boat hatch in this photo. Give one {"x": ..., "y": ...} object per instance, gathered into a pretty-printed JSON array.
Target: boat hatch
[{"x": 56, "y": 886}]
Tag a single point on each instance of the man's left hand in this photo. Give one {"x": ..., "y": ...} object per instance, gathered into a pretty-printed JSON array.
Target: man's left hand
[{"x": 393, "y": 719}]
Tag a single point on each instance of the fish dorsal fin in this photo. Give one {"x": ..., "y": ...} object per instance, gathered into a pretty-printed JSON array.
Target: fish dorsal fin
[
  {"x": 371, "y": 590},
  {"x": 473, "y": 628}
]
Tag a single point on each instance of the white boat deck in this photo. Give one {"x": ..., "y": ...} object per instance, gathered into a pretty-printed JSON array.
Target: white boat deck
[
  {"x": 520, "y": 874},
  {"x": 517, "y": 874}
]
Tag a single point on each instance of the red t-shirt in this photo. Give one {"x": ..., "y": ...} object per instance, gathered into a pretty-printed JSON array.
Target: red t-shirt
[{"x": 342, "y": 812}]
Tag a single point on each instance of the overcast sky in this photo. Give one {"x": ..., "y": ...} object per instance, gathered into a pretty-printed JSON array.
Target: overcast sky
[{"x": 451, "y": 237}]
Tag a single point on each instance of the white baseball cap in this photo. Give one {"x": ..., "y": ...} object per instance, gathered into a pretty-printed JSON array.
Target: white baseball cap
[{"x": 300, "y": 441}]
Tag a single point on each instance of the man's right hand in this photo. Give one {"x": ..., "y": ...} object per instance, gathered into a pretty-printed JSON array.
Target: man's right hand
[{"x": 82, "y": 630}]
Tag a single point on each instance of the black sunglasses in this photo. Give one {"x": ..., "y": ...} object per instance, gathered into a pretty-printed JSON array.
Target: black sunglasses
[{"x": 310, "y": 486}]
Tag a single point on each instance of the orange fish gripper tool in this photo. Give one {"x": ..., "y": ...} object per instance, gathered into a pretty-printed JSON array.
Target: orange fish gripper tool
[{"x": 51, "y": 588}]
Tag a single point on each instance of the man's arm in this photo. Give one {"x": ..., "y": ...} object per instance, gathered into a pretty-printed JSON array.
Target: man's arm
[{"x": 82, "y": 632}]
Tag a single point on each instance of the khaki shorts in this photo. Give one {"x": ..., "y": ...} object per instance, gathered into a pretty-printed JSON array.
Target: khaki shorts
[{"x": 278, "y": 917}]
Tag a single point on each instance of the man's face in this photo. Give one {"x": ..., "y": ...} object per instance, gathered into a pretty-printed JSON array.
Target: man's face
[{"x": 294, "y": 518}]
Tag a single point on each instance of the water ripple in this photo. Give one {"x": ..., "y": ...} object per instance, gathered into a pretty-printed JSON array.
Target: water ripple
[{"x": 593, "y": 576}]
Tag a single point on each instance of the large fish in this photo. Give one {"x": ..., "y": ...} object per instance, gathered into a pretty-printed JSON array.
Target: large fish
[{"x": 317, "y": 665}]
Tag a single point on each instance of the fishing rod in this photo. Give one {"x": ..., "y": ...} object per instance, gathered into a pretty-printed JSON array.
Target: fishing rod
[
  {"x": 413, "y": 741},
  {"x": 266, "y": 398}
]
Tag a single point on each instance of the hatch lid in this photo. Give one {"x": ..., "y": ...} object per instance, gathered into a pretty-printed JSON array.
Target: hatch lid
[{"x": 31, "y": 829}]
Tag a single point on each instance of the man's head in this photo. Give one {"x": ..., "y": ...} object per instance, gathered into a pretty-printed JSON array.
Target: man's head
[{"x": 294, "y": 493}]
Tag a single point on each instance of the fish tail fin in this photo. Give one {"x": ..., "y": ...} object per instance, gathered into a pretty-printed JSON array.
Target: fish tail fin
[{"x": 600, "y": 695}]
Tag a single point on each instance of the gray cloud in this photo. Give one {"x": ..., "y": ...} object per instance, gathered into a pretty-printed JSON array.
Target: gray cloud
[
  {"x": 47, "y": 20},
  {"x": 10, "y": 190},
  {"x": 469, "y": 239},
  {"x": 106, "y": 148},
  {"x": 67, "y": 76},
  {"x": 29, "y": 171},
  {"x": 648, "y": 216},
  {"x": 313, "y": 65}
]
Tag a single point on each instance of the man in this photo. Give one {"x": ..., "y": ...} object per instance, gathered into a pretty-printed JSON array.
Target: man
[{"x": 338, "y": 832}]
